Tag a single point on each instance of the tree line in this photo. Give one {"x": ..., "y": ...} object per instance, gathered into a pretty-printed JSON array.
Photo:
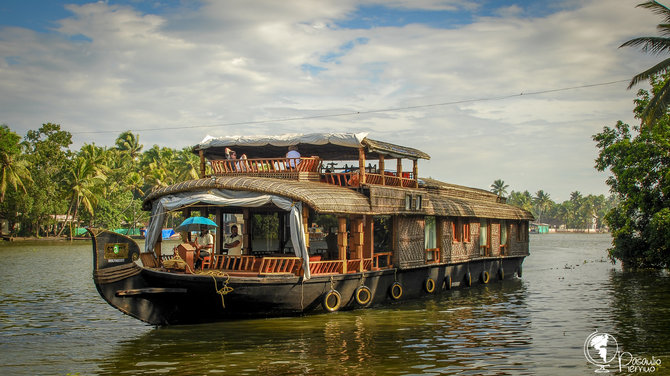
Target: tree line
[
  {"x": 579, "y": 212},
  {"x": 46, "y": 188}
]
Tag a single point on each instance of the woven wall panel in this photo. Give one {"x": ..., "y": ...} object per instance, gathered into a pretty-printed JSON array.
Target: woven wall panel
[{"x": 411, "y": 251}]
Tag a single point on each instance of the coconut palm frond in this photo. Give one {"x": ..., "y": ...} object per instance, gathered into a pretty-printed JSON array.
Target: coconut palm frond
[
  {"x": 657, "y": 8},
  {"x": 652, "y": 45},
  {"x": 657, "y": 106},
  {"x": 659, "y": 68}
]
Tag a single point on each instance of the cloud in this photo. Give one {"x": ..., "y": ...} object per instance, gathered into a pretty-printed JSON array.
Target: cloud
[{"x": 113, "y": 67}]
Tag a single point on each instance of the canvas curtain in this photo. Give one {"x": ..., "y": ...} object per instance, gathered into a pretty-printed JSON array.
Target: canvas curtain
[{"x": 229, "y": 198}]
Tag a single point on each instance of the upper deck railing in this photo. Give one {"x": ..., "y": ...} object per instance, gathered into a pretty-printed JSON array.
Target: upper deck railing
[{"x": 311, "y": 169}]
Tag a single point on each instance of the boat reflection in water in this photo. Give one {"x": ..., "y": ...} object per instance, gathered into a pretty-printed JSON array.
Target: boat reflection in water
[{"x": 485, "y": 328}]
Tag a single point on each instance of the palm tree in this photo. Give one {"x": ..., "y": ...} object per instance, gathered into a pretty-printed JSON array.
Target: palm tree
[
  {"x": 658, "y": 105},
  {"x": 14, "y": 170},
  {"x": 542, "y": 203},
  {"x": 84, "y": 178},
  {"x": 187, "y": 165},
  {"x": 499, "y": 187},
  {"x": 130, "y": 143}
]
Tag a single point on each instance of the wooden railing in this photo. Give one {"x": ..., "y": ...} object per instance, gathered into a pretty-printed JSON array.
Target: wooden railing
[
  {"x": 391, "y": 180},
  {"x": 344, "y": 179},
  {"x": 326, "y": 267},
  {"x": 230, "y": 262},
  {"x": 432, "y": 255},
  {"x": 261, "y": 165},
  {"x": 358, "y": 265},
  {"x": 280, "y": 265},
  {"x": 382, "y": 260}
]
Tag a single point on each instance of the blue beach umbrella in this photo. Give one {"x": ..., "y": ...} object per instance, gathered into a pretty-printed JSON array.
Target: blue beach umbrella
[{"x": 194, "y": 223}]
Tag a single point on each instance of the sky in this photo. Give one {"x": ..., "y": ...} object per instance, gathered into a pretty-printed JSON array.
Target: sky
[{"x": 490, "y": 89}]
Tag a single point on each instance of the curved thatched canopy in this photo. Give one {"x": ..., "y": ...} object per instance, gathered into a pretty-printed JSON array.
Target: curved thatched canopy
[{"x": 323, "y": 198}]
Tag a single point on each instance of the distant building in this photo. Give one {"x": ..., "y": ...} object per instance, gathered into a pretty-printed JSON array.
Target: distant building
[{"x": 538, "y": 228}]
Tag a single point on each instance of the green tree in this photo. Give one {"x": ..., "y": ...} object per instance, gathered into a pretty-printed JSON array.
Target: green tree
[
  {"x": 523, "y": 200},
  {"x": 14, "y": 169},
  {"x": 47, "y": 151},
  {"x": 542, "y": 203},
  {"x": 639, "y": 162},
  {"x": 499, "y": 187},
  {"x": 130, "y": 143},
  {"x": 655, "y": 108}
]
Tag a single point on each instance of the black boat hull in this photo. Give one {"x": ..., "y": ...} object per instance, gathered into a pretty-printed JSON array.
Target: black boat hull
[{"x": 168, "y": 298}]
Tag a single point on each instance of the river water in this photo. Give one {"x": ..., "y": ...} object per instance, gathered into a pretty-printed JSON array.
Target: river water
[{"x": 53, "y": 322}]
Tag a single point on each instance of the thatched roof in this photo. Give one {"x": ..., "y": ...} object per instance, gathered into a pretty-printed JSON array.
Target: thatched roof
[
  {"x": 324, "y": 198},
  {"x": 451, "y": 201},
  {"x": 329, "y": 146}
]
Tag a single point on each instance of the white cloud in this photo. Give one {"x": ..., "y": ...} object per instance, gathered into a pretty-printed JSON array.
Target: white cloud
[{"x": 113, "y": 68}]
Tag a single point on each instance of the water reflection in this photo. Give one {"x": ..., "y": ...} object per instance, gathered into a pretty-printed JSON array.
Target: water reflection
[
  {"x": 484, "y": 329},
  {"x": 640, "y": 310}
]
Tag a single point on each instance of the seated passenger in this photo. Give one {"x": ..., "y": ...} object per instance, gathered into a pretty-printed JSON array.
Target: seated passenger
[
  {"x": 233, "y": 242},
  {"x": 204, "y": 244},
  {"x": 292, "y": 155}
]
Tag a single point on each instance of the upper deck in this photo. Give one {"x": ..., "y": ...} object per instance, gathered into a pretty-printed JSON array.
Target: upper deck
[{"x": 342, "y": 159}]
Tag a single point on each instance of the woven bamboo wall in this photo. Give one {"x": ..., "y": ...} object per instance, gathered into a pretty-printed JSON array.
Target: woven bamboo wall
[{"x": 410, "y": 241}]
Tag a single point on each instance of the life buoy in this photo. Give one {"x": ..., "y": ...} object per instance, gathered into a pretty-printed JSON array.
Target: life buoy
[
  {"x": 332, "y": 301},
  {"x": 501, "y": 273},
  {"x": 485, "y": 277},
  {"x": 395, "y": 291},
  {"x": 468, "y": 279},
  {"x": 429, "y": 285},
  {"x": 518, "y": 272},
  {"x": 363, "y": 295},
  {"x": 447, "y": 282}
]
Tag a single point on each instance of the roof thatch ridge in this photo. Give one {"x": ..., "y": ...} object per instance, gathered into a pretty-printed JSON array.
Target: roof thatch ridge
[
  {"x": 322, "y": 197},
  {"x": 459, "y": 191}
]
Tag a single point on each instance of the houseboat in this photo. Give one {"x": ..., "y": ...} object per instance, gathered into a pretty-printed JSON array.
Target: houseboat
[{"x": 346, "y": 224}]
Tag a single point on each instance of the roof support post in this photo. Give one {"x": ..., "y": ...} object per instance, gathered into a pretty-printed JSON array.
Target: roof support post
[
  {"x": 202, "y": 164},
  {"x": 399, "y": 169},
  {"x": 246, "y": 232},
  {"x": 368, "y": 238},
  {"x": 415, "y": 172},
  {"x": 361, "y": 164},
  {"x": 305, "y": 223},
  {"x": 381, "y": 168},
  {"x": 342, "y": 242}
]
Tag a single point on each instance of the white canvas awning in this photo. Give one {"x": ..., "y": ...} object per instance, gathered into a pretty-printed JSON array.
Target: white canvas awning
[{"x": 229, "y": 198}]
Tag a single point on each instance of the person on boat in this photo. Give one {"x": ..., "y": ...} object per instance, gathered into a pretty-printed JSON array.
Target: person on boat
[
  {"x": 234, "y": 242},
  {"x": 204, "y": 244},
  {"x": 292, "y": 155}
]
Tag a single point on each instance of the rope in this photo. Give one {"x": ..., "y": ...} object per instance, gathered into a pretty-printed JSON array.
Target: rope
[{"x": 223, "y": 290}]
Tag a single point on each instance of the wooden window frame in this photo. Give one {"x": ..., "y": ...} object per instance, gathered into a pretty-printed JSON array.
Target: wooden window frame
[
  {"x": 504, "y": 247},
  {"x": 466, "y": 236},
  {"x": 456, "y": 230}
]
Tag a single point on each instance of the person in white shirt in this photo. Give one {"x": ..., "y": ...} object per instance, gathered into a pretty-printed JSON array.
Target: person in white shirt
[
  {"x": 291, "y": 155},
  {"x": 234, "y": 242},
  {"x": 204, "y": 244}
]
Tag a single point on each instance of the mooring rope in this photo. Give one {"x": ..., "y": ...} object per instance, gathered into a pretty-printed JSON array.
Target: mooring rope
[{"x": 223, "y": 290}]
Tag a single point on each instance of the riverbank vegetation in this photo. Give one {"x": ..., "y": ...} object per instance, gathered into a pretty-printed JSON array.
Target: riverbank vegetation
[
  {"x": 639, "y": 159},
  {"x": 47, "y": 189}
]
